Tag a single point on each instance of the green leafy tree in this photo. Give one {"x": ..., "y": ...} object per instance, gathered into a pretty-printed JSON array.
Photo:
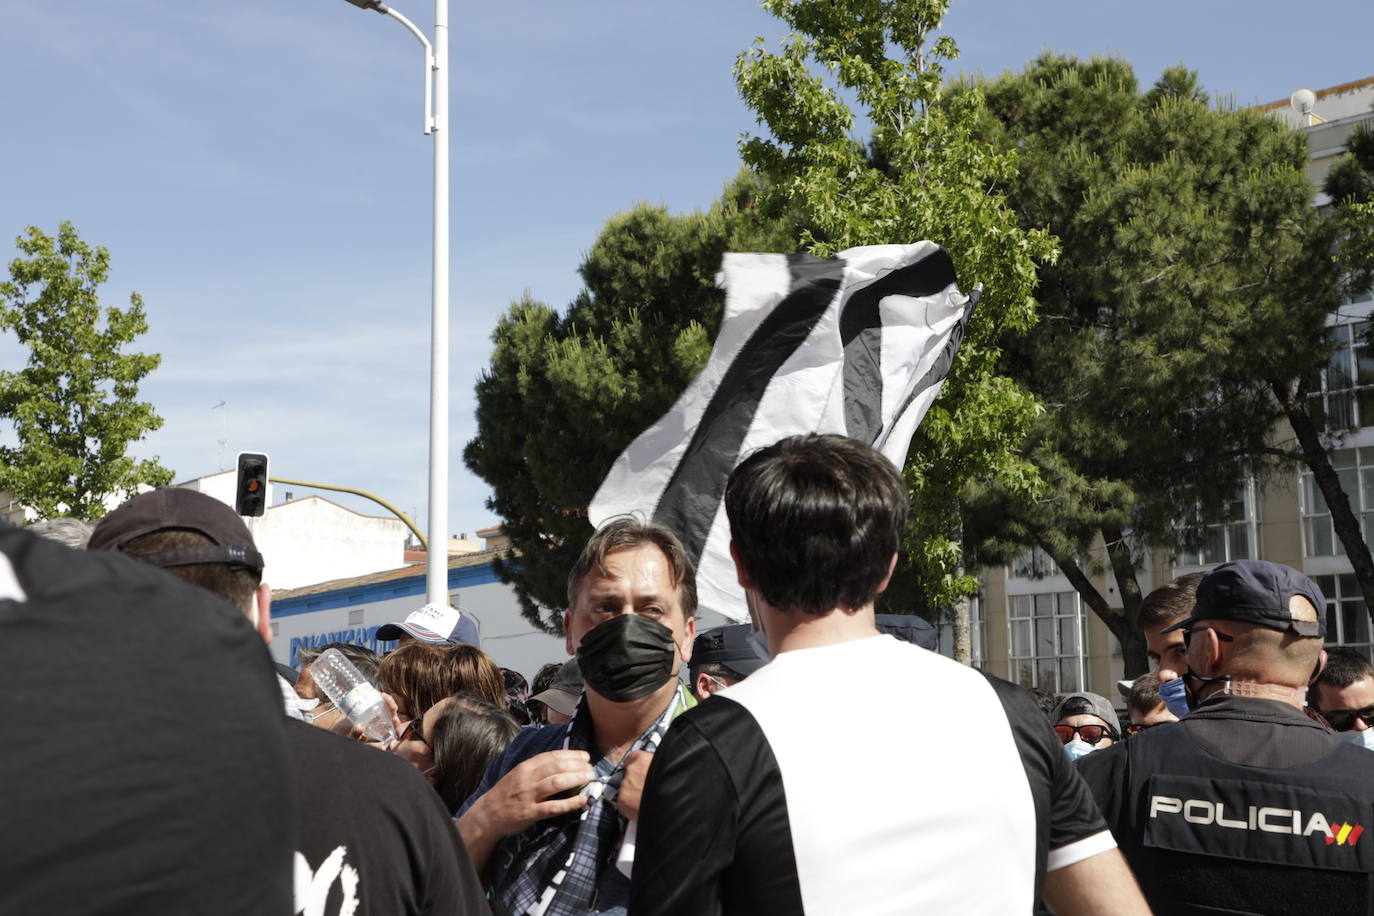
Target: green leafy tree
[
  {"x": 565, "y": 394},
  {"x": 74, "y": 408},
  {"x": 1192, "y": 286},
  {"x": 923, "y": 173},
  {"x": 1350, "y": 185}
]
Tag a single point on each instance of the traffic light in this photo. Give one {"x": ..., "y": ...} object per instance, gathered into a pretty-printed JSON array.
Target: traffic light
[{"x": 250, "y": 493}]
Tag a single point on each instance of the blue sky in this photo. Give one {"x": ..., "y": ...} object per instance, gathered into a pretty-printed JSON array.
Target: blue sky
[{"x": 258, "y": 172}]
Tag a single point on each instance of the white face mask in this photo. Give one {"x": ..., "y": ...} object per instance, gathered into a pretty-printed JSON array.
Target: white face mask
[
  {"x": 1079, "y": 748},
  {"x": 1364, "y": 738}
]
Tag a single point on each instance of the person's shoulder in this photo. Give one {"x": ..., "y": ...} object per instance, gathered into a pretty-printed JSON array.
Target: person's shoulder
[{"x": 532, "y": 740}]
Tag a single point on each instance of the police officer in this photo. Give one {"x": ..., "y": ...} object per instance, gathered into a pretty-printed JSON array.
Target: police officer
[{"x": 1246, "y": 805}]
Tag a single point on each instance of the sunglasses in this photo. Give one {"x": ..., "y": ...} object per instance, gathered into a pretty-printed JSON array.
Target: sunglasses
[
  {"x": 412, "y": 728},
  {"x": 1343, "y": 720},
  {"x": 1189, "y": 631},
  {"x": 1089, "y": 733}
]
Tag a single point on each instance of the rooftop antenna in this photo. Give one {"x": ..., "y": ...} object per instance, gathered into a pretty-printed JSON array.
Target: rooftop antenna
[{"x": 1302, "y": 102}]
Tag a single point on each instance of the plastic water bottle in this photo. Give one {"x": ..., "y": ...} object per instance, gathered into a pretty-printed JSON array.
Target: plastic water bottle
[{"x": 357, "y": 699}]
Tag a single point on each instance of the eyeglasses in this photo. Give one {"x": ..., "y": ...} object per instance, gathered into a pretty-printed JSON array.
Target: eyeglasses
[
  {"x": 1188, "y": 634},
  {"x": 1343, "y": 720},
  {"x": 412, "y": 728},
  {"x": 1089, "y": 733},
  {"x": 320, "y": 711}
]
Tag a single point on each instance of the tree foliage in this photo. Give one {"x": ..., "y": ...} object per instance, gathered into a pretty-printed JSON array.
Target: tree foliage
[
  {"x": 923, "y": 174},
  {"x": 74, "y": 407},
  {"x": 1193, "y": 277},
  {"x": 565, "y": 394},
  {"x": 1350, "y": 185}
]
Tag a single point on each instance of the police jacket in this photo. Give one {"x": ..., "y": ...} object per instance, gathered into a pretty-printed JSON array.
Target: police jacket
[{"x": 1245, "y": 806}]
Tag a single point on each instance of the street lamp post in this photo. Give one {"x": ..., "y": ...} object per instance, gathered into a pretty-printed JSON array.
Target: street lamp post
[{"x": 436, "y": 124}]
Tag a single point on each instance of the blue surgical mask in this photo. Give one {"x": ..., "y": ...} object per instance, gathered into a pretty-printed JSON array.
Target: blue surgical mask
[
  {"x": 1079, "y": 748},
  {"x": 1174, "y": 693},
  {"x": 1363, "y": 738}
]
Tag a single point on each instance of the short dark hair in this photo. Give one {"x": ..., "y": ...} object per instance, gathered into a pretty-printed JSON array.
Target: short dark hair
[
  {"x": 234, "y": 583},
  {"x": 1168, "y": 603},
  {"x": 625, "y": 532},
  {"x": 715, "y": 669},
  {"x": 1344, "y": 666},
  {"x": 1046, "y": 700},
  {"x": 466, "y": 737},
  {"x": 1144, "y": 694},
  {"x": 816, "y": 520}
]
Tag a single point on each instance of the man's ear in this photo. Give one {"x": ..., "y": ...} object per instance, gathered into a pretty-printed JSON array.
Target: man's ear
[
  {"x": 891, "y": 567},
  {"x": 703, "y": 687},
  {"x": 567, "y": 631},
  {"x": 1211, "y": 650},
  {"x": 740, "y": 575},
  {"x": 689, "y": 637},
  {"x": 1317, "y": 671},
  {"x": 263, "y": 605}
]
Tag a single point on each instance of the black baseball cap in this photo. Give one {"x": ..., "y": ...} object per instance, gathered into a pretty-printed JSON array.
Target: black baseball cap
[
  {"x": 179, "y": 508},
  {"x": 729, "y": 646},
  {"x": 1256, "y": 591}
]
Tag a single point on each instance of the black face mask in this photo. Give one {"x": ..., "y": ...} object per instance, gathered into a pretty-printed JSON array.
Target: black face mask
[{"x": 627, "y": 657}]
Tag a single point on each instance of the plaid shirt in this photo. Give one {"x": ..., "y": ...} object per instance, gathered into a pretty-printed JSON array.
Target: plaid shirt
[{"x": 561, "y": 866}]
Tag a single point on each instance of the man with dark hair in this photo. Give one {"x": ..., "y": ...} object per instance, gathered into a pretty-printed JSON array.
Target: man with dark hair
[
  {"x": 1144, "y": 706},
  {"x": 1159, "y": 610},
  {"x": 1085, "y": 722},
  {"x": 1246, "y": 805},
  {"x": 129, "y": 801},
  {"x": 552, "y": 824},
  {"x": 1344, "y": 696},
  {"x": 374, "y": 837},
  {"x": 722, "y": 656},
  {"x": 879, "y": 814}
]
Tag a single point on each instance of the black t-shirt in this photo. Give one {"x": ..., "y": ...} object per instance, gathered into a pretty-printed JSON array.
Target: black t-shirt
[
  {"x": 795, "y": 791},
  {"x": 145, "y": 768},
  {"x": 374, "y": 832}
]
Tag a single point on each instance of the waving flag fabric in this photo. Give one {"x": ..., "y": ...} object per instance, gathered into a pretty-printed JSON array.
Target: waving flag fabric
[{"x": 858, "y": 344}]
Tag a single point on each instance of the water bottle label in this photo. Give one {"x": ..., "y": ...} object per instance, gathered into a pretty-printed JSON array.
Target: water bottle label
[{"x": 356, "y": 702}]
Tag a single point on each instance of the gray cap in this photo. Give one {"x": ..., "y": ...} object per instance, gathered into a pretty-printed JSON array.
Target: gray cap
[
  {"x": 562, "y": 695},
  {"x": 1098, "y": 705}
]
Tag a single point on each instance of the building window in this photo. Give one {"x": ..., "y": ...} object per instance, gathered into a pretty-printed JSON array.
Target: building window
[
  {"x": 1046, "y": 641},
  {"x": 1347, "y": 619},
  {"x": 355, "y": 618},
  {"x": 1355, "y": 467},
  {"x": 1232, "y": 539},
  {"x": 1342, "y": 395},
  {"x": 1033, "y": 564}
]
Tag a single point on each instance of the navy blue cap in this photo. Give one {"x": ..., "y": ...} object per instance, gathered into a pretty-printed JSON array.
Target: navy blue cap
[
  {"x": 1256, "y": 591},
  {"x": 728, "y": 646}
]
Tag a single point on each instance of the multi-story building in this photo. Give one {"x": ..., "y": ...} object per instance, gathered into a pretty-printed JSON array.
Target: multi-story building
[{"x": 1032, "y": 627}]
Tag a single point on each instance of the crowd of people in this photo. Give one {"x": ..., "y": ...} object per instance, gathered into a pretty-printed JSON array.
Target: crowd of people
[{"x": 817, "y": 759}]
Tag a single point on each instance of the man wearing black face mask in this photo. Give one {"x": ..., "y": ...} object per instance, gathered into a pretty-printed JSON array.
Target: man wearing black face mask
[
  {"x": 551, "y": 825},
  {"x": 1246, "y": 805}
]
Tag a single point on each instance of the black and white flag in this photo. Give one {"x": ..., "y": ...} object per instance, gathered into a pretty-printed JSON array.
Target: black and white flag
[{"x": 858, "y": 344}]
